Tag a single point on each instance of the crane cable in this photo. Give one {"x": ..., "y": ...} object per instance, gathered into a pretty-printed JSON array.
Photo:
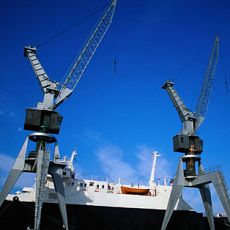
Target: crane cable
[
  {"x": 224, "y": 72},
  {"x": 68, "y": 28},
  {"x": 226, "y": 84},
  {"x": 115, "y": 51}
]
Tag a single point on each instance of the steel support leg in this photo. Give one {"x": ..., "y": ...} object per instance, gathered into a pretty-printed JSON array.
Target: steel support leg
[
  {"x": 14, "y": 173},
  {"x": 202, "y": 182},
  {"x": 41, "y": 174},
  {"x": 56, "y": 152},
  {"x": 178, "y": 185},
  {"x": 221, "y": 190},
  {"x": 207, "y": 201},
  {"x": 56, "y": 172}
]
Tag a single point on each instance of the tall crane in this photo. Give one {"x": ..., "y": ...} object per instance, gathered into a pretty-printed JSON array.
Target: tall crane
[
  {"x": 45, "y": 121},
  {"x": 191, "y": 145}
]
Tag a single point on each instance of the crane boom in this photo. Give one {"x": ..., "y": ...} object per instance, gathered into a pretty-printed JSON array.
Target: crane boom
[
  {"x": 186, "y": 116},
  {"x": 50, "y": 88},
  {"x": 203, "y": 99},
  {"x": 87, "y": 53},
  {"x": 42, "y": 76},
  {"x": 182, "y": 110}
]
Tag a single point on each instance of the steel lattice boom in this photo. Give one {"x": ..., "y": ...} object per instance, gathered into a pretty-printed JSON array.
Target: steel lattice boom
[
  {"x": 86, "y": 55},
  {"x": 202, "y": 103}
]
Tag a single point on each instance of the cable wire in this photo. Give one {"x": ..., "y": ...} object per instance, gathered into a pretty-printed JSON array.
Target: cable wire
[{"x": 68, "y": 28}]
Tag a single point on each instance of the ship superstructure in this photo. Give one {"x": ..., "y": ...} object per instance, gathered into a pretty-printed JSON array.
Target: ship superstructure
[
  {"x": 94, "y": 203},
  {"x": 103, "y": 193}
]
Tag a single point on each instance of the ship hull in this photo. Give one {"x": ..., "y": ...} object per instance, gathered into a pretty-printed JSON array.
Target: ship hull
[{"x": 18, "y": 215}]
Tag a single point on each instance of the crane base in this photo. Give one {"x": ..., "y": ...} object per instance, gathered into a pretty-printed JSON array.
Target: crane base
[{"x": 202, "y": 183}]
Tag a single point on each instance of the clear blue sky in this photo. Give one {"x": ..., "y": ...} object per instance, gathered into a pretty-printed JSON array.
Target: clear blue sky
[{"x": 118, "y": 114}]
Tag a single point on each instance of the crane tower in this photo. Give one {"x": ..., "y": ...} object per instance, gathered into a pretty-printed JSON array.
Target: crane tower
[{"x": 192, "y": 174}]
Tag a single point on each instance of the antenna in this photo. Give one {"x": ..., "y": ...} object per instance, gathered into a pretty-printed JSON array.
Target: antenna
[{"x": 152, "y": 175}]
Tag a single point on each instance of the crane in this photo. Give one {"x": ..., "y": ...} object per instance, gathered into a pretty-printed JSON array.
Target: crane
[
  {"x": 191, "y": 145},
  {"x": 45, "y": 121}
]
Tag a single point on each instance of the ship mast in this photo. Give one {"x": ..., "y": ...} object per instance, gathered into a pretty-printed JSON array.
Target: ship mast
[{"x": 152, "y": 175}]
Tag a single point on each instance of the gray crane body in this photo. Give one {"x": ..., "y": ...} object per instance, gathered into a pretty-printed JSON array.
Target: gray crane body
[
  {"x": 191, "y": 145},
  {"x": 187, "y": 117}
]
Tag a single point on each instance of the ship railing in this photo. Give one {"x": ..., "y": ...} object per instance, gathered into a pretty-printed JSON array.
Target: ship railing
[
  {"x": 94, "y": 178},
  {"x": 114, "y": 181},
  {"x": 219, "y": 170},
  {"x": 133, "y": 183},
  {"x": 125, "y": 181},
  {"x": 167, "y": 180}
]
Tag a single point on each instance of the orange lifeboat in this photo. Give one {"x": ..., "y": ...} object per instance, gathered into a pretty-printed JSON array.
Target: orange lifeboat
[{"x": 134, "y": 190}]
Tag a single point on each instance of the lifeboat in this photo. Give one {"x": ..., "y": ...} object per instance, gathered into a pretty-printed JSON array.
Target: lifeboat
[{"x": 134, "y": 190}]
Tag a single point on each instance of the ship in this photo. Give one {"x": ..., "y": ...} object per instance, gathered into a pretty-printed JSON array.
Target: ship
[
  {"x": 101, "y": 204},
  {"x": 61, "y": 200}
]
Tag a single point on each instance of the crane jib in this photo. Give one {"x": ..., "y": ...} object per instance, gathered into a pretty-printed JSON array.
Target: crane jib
[
  {"x": 203, "y": 100},
  {"x": 85, "y": 56}
]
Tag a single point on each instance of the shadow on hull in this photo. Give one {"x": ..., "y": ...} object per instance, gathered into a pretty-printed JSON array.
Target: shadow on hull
[{"x": 18, "y": 215}]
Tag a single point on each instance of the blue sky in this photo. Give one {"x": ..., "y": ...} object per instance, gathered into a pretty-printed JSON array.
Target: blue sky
[{"x": 118, "y": 114}]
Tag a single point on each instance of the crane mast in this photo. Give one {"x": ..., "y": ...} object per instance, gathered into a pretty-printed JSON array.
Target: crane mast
[
  {"x": 186, "y": 116},
  {"x": 50, "y": 88}
]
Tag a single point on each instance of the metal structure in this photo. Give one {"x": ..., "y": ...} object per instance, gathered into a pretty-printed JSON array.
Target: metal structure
[
  {"x": 187, "y": 142},
  {"x": 44, "y": 120},
  {"x": 152, "y": 175}
]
